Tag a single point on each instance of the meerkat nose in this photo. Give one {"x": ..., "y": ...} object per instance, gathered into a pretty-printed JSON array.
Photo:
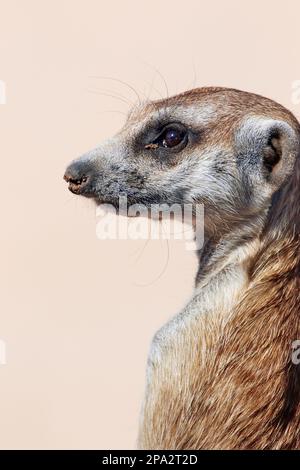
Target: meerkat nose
[{"x": 76, "y": 177}]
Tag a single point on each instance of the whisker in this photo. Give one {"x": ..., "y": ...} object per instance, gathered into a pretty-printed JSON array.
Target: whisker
[
  {"x": 112, "y": 111},
  {"x": 160, "y": 75},
  {"x": 119, "y": 95},
  {"x": 194, "y": 82},
  {"x": 195, "y": 76},
  {"x": 163, "y": 269},
  {"x": 152, "y": 87},
  {"x": 95, "y": 92},
  {"x": 138, "y": 253},
  {"x": 119, "y": 81}
]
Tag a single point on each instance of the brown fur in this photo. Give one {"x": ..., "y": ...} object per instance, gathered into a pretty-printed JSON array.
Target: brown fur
[{"x": 242, "y": 391}]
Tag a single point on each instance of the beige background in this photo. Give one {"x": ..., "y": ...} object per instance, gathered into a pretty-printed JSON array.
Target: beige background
[{"x": 76, "y": 322}]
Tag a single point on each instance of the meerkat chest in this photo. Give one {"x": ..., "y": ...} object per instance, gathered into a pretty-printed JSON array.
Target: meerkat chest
[{"x": 201, "y": 322}]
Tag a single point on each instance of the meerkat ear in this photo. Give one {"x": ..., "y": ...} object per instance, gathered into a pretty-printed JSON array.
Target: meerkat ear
[{"x": 269, "y": 147}]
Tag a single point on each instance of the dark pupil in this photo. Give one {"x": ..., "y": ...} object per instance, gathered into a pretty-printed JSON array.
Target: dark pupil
[{"x": 172, "y": 138}]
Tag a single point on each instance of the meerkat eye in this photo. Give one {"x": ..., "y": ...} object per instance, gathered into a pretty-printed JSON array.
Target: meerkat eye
[{"x": 171, "y": 137}]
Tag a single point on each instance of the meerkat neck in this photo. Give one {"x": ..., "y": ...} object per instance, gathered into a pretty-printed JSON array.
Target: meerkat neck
[{"x": 223, "y": 270}]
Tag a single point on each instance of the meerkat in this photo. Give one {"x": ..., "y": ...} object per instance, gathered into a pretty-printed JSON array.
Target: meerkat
[{"x": 219, "y": 373}]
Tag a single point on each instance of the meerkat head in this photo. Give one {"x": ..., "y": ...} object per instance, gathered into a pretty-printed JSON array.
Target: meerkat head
[{"x": 223, "y": 148}]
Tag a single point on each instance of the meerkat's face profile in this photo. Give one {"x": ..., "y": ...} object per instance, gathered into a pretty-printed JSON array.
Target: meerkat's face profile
[{"x": 226, "y": 149}]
